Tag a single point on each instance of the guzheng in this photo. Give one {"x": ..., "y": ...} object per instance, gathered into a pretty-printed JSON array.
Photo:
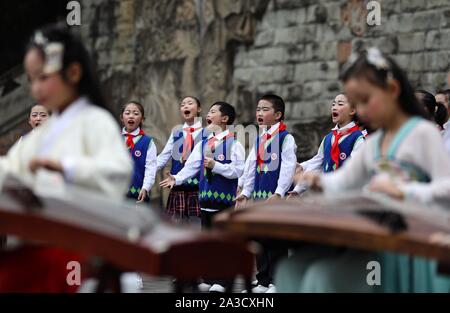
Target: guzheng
[
  {"x": 355, "y": 221},
  {"x": 128, "y": 237}
]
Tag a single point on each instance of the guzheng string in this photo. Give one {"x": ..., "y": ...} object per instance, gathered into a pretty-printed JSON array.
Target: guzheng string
[{"x": 432, "y": 213}]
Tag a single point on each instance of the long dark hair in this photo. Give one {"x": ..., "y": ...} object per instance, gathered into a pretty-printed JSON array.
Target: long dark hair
[
  {"x": 74, "y": 52},
  {"x": 436, "y": 110},
  {"x": 379, "y": 74}
]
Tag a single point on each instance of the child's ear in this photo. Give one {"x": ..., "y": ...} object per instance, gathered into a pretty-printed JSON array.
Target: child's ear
[
  {"x": 278, "y": 116},
  {"x": 73, "y": 73},
  {"x": 225, "y": 119},
  {"x": 394, "y": 88}
]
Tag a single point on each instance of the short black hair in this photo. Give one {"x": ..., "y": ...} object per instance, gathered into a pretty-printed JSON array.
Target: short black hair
[
  {"x": 277, "y": 102},
  {"x": 226, "y": 109}
]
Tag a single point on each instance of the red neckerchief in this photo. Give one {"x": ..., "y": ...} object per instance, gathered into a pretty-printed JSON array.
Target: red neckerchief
[
  {"x": 212, "y": 141},
  {"x": 188, "y": 143},
  {"x": 129, "y": 142},
  {"x": 262, "y": 142},
  {"x": 335, "y": 151}
]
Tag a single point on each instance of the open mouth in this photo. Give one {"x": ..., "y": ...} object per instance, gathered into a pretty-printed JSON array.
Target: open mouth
[
  {"x": 334, "y": 114},
  {"x": 187, "y": 112},
  {"x": 260, "y": 120},
  {"x": 131, "y": 123},
  {"x": 208, "y": 121}
]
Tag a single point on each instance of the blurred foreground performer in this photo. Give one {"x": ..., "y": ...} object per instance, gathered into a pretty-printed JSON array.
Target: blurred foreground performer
[
  {"x": 79, "y": 145},
  {"x": 391, "y": 154}
]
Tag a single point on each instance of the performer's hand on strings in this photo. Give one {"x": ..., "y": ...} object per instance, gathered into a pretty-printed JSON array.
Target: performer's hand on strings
[
  {"x": 298, "y": 173},
  {"x": 292, "y": 195},
  {"x": 384, "y": 184},
  {"x": 50, "y": 165},
  {"x": 142, "y": 195},
  {"x": 169, "y": 182},
  {"x": 274, "y": 197},
  {"x": 312, "y": 179},
  {"x": 209, "y": 163},
  {"x": 241, "y": 201}
]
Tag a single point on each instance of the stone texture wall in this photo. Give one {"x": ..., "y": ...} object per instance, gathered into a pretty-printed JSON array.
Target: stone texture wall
[
  {"x": 299, "y": 47},
  {"x": 158, "y": 51}
]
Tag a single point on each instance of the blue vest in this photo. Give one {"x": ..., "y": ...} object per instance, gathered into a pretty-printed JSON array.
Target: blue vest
[
  {"x": 177, "y": 164},
  {"x": 215, "y": 191},
  {"x": 139, "y": 155},
  {"x": 345, "y": 146},
  {"x": 266, "y": 180}
]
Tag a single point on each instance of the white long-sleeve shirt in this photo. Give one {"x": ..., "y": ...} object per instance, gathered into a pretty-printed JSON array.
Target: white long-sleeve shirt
[
  {"x": 86, "y": 140},
  {"x": 245, "y": 174},
  {"x": 231, "y": 170},
  {"x": 150, "y": 160},
  {"x": 315, "y": 164},
  {"x": 446, "y": 137},
  {"x": 421, "y": 147},
  {"x": 166, "y": 154},
  {"x": 287, "y": 167}
]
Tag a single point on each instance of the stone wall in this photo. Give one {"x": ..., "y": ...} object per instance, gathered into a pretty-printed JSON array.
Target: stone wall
[
  {"x": 299, "y": 47},
  {"x": 158, "y": 51}
]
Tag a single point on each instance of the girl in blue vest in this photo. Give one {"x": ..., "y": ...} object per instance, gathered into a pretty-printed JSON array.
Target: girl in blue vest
[
  {"x": 183, "y": 203},
  {"x": 270, "y": 173},
  {"x": 338, "y": 145},
  {"x": 142, "y": 150},
  {"x": 390, "y": 154}
]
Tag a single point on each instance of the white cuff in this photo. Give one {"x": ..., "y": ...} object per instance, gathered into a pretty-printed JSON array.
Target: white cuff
[{"x": 68, "y": 165}]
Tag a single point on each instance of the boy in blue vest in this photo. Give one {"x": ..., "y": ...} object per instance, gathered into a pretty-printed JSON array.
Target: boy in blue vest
[
  {"x": 270, "y": 174},
  {"x": 220, "y": 161},
  {"x": 337, "y": 146}
]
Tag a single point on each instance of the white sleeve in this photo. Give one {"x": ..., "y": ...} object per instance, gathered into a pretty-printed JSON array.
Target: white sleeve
[
  {"x": 358, "y": 144},
  {"x": 316, "y": 162},
  {"x": 426, "y": 193},
  {"x": 288, "y": 165},
  {"x": 236, "y": 167},
  {"x": 150, "y": 167},
  {"x": 447, "y": 140},
  {"x": 108, "y": 166},
  {"x": 192, "y": 166},
  {"x": 249, "y": 180},
  {"x": 244, "y": 175},
  {"x": 165, "y": 155},
  {"x": 352, "y": 175}
]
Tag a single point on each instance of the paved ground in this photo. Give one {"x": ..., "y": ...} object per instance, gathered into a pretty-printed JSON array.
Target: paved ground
[{"x": 161, "y": 285}]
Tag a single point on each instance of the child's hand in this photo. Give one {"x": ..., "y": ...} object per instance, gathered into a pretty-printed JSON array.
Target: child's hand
[
  {"x": 51, "y": 165},
  {"x": 238, "y": 191},
  {"x": 292, "y": 195},
  {"x": 209, "y": 163},
  {"x": 169, "y": 182},
  {"x": 241, "y": 201},
  {"x": 384, "y": 184},
  {"x": 142, "y": 195},
  {"x": 273, "y": 197}
]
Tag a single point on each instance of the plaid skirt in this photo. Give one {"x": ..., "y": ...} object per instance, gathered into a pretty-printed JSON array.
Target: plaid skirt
[{"x": 182, "y": 204}]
